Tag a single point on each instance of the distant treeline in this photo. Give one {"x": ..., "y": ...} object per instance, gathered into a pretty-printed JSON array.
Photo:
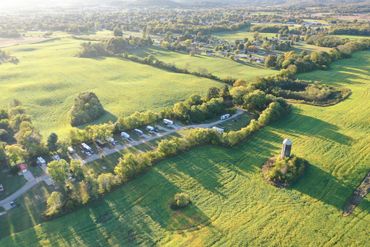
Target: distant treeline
[
  {"x": 120, "y": 47},
  {"x": 291, "y": 62},
  {"x": 182, "y": 28},
  {"x": 325, "y": 40},
  {"x": 6, "y": 58},
  {"x": 351, "y": 29}
]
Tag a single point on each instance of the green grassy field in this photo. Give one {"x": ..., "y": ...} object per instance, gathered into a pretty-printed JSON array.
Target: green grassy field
[
  {"x": 221, "y": 67},
  {"x": 10, "y": 182},
  {"x": 50, "y": 75},
  {"x": 241, "y": 34},
  {"x": 232, "y": 205},
  {"x": 353, "y": 36}
]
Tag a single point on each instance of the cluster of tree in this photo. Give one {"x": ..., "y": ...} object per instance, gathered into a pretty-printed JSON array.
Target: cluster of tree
[
  {"x": 268, "y": 28},
  {"x": 9, "y": 33},
  {"x": 92, "y": 133},
  {"x": 19, "y": 139},
  {"x": 309, "y": 92},
  {"x": 292, "y": 62},
  {"x": 91, "y": 50},
  {"x": 114, "y": 46},
  {"x": 274, "y": 44},
  {"x": 196, "y": 109},
  {"x": 153, "y": 61},
  {"x": 193, "y": 110},
  {"x": 119, "y": 45},
  {"x": 80, "y": 184},
  {"x": 86, "y": 108},
  {"x": 351, "y": 29},
  {"x": 282, "y": 172},
  {"x": 157, "y": 27},
  {"x": 180, "y": 200},
  {"x": 6, "y": 58},
  {"x": 325, "y": 40},
  {"x": 77, "y": 185}
]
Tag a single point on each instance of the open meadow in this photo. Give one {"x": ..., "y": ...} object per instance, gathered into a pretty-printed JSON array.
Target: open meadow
[
  {"x": 241, "y": 35},
  {"x": 221, "y": 67},
  {"x": 231, "y": 203},
  {"x": 50, "y": 75}
]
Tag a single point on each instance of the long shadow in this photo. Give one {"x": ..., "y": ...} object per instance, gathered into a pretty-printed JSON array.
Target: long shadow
[
  {"x": 306, "y": 125},
  {"x": 324, "y": 187},
  {"x": 107, "y": 117}
]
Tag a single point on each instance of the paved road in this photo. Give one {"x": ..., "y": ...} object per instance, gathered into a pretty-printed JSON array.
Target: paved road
[
  {"x": 29, "y": 185},
  {"x": 108, "y": 151},
  {"x": 45, "y": 178}
]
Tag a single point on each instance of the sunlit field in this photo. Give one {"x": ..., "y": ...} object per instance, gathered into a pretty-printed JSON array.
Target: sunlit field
[
  {"x": 50, "y": 75},
  {"x": 232, "y": 204},
  {"x": 221, "y": 67},
  {"x": 242, "y": 34}
]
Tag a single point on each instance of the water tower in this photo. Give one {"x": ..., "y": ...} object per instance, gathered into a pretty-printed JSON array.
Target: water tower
[{"x": 287, "y": 148}]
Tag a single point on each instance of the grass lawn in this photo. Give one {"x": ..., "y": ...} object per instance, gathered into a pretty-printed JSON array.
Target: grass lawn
[
  {"x": 231, "y": 204},
  {"x": 50, "y": 75},
  {"x": 29, "y": 210},
  {"x": 221, "y": 67},
  {"x": 10, "y": 182},
  {"x": 241, "y": 34},
  {"x": 353, "y": 37},
  {"x": 236, "y": 123}
]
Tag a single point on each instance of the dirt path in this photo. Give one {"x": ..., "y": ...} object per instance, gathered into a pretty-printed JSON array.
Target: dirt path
[{"x": 358, "y": 195}]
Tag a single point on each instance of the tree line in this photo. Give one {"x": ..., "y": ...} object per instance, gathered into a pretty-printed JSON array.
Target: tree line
[{"x": 86, "y": 185}]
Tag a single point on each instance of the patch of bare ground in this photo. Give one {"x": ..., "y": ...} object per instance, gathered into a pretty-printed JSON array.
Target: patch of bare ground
[{"x": 358, "y": 195}]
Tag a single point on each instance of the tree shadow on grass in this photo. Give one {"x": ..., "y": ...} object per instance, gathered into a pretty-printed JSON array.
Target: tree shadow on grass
[
  {"x": 323, "y": 186},
  {"x": 107, "y": 117},
  {"x": 299, "y": 124}
]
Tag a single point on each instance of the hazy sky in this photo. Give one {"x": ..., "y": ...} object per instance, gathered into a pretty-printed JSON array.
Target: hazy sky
[{"x": 6, "y": 4}]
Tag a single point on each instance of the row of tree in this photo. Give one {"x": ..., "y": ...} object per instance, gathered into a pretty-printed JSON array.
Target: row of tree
[
  {"x": 292, "y": 62},
  {"x": 195, "y": 109},
  {"x": 79, "y": 184}
]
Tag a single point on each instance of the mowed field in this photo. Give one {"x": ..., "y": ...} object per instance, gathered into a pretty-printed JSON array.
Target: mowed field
[
  {"x": 50, "y": 76},
  {"x": 232, "y": 205},
  {"x": 221, "y": 67},
  {"x": 241, "y": 35}
]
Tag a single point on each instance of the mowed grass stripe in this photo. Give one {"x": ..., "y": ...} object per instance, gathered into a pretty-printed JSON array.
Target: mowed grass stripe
[
  {"x": 50, "y": 75},
  {"x": 229, "y": 193}
]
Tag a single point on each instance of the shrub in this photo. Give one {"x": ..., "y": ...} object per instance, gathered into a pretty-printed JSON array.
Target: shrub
[
  {"x": 283, "y": 172},
  {"x": 180, "y": 200},
  {"x": 86, "y": 108}
]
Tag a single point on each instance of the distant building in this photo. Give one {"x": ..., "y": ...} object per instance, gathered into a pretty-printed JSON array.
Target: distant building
[{"x": 287, "y": 148}]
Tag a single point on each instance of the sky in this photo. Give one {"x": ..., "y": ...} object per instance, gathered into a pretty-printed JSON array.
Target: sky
[{"x": 14, "y": 4}]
